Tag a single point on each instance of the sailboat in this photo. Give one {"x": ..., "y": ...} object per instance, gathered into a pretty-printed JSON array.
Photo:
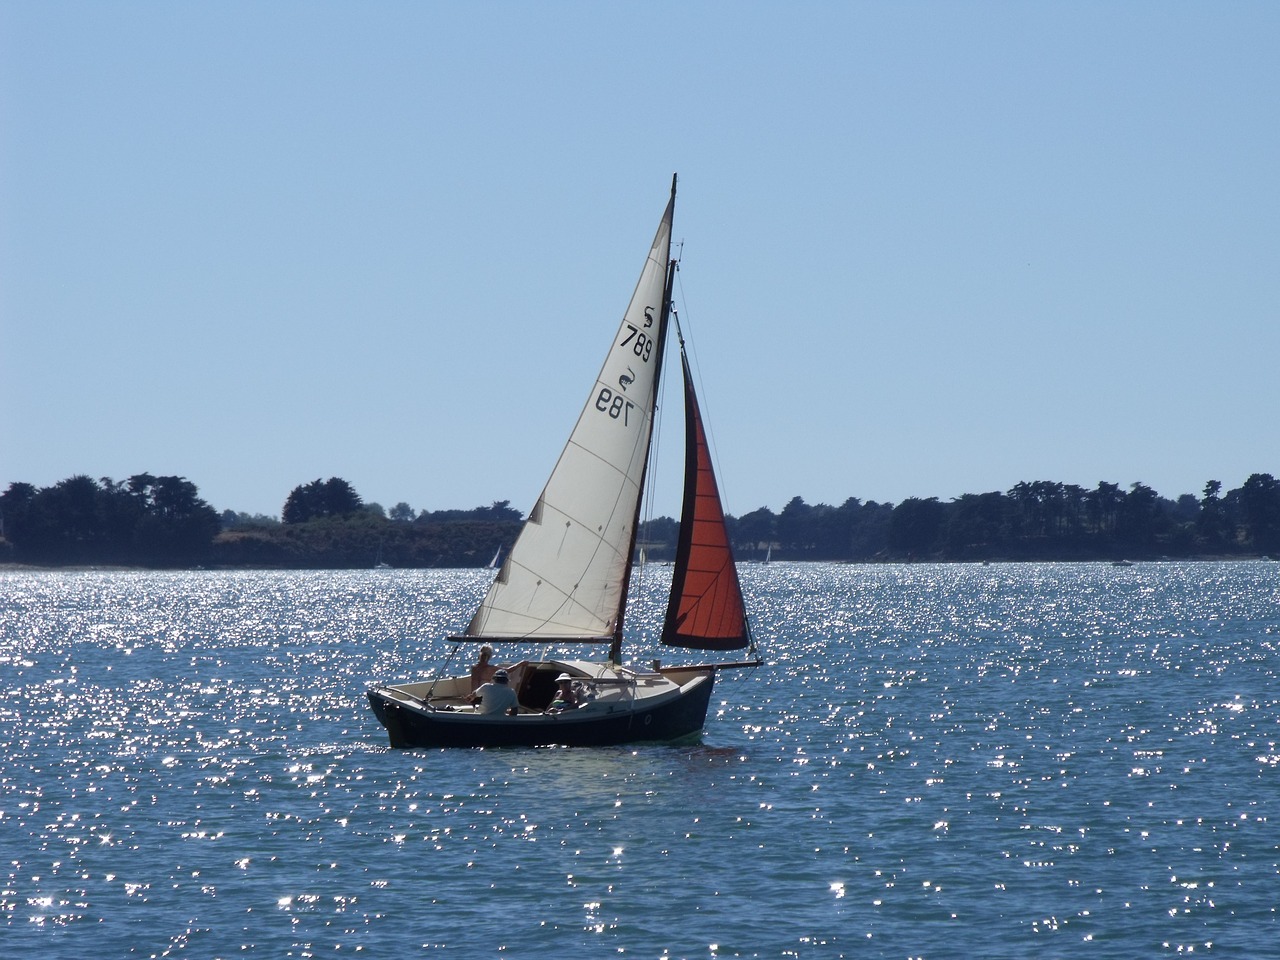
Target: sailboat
[{"x": 564, "y": 583}]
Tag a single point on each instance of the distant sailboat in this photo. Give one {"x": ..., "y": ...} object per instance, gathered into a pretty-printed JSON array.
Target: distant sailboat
[{"x": 565, "y": 579}]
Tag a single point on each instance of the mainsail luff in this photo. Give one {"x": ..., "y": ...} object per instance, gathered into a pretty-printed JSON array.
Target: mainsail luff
[
  {"x": 615, "y": 647},
  {"x": 565, "y": 577},
  {"x": 706, "y": 610}
]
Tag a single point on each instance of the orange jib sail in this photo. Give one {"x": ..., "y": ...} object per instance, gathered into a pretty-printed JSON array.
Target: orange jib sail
[{"x": 705, "y": 611}]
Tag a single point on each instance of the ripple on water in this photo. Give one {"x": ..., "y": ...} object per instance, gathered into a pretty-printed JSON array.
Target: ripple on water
[{"x": 939, "y": 760}]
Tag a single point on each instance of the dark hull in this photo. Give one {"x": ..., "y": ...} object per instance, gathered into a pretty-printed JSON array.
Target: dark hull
[{"x": 670, "y": 719}]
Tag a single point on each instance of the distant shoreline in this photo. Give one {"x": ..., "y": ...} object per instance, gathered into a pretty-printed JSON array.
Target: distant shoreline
[
  {"x": 150, "y": 522},
  {"x": 115, "y": 568}
]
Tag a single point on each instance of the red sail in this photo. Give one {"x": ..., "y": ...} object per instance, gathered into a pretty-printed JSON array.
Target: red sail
[{"x": 706, "y": 610}]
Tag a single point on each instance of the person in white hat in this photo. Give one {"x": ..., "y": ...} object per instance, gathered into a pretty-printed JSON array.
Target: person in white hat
[{"x": 565, "y": 698}]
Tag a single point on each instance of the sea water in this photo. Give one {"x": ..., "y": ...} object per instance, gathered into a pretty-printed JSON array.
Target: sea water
[{"x": 1050, "y": 760}]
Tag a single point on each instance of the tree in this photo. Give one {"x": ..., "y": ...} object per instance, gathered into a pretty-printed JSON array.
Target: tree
[
  {"x": 793, "y": 526},
  {"x": 156, "y": 521},
  {"x": 15, "y": 508},
  {"x": 1212, "y": 529},
  {"x": 1043, "y": 509},
  {"x": 754, "y": 532},
  {"x": 916, "y": 526},
  {"x": 658, "y": 536},
  {"x": 179, "y": 526},
  {"x": 401, "y": 512},
  {"x": 139, "y": 485},
  {"x": 975, "y": 524},
  {"x": 69, "y": 527},
  {"x": 321, "y": 498},
  {"x": 1260, "y": 509},
  {"x": 1102, "y": 505},
  {"x": 499, "y": 512},
  {"x": 1139, "y": 520},
  {"x": 232, "y": 520},
  {"x": 340, "y": 498},
  {"x": 1186, "y": 509},
  {"x": 303, "y": 503},
  {"x": 869, "y": 531},
  {"x": 830, "y": 529}
]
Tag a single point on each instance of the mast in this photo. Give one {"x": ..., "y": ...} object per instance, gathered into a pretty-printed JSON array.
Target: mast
[{"x": 615, "y": 647}]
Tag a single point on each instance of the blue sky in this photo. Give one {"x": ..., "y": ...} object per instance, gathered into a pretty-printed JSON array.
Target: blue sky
[{"x": 928, "y": 248}]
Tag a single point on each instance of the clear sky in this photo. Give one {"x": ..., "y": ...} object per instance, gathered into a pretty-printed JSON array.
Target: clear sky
[{"x": 928, "y": 248}]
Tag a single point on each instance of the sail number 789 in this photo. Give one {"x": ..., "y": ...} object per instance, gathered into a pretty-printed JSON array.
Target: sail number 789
[
  {"x": 614, "y": 404},
  {"x": 641, "y": 343}
]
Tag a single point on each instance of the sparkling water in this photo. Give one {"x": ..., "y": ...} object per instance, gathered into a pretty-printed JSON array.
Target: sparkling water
[{"x": 1051, "y": 760}]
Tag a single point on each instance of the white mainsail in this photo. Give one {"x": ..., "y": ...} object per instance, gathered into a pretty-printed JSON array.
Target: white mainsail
[{"x": 564, "y": 578}]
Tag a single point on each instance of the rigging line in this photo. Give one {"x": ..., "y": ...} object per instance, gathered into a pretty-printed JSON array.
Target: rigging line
[
  {"x": 654, "y": 475},
  {"x": 442, "y": 673}
]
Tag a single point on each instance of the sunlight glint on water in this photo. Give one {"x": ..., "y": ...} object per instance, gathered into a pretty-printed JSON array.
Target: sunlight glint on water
[{"x": 1004, "y": 761}]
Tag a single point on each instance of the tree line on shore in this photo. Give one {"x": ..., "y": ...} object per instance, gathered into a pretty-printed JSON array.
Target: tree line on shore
[
  {"x": 151, "y": 521},
  {"x": 1042, "y": 520}
]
